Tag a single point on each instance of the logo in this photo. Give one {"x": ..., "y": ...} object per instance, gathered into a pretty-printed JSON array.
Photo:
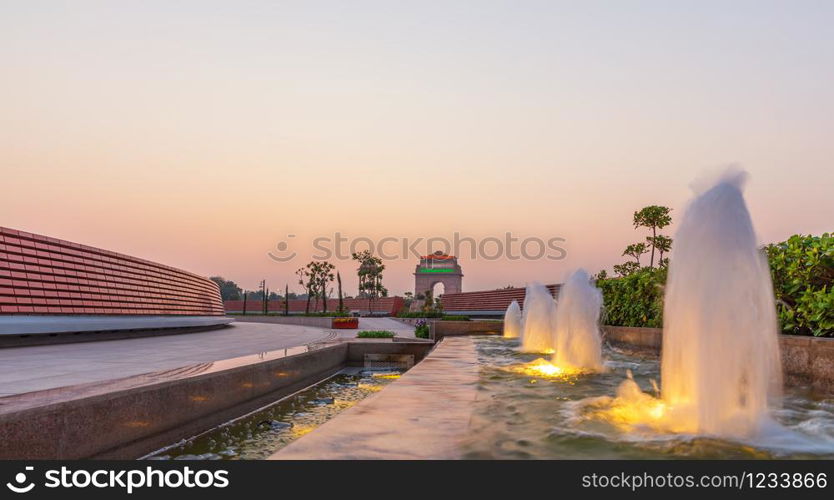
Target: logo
[{"x": 20, "y": 478}]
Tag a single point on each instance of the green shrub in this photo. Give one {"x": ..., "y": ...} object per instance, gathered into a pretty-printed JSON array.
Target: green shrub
[
  {"x": 802, "y": 269},
  {"x": 454, "y": 317},
  {"x": 421, "y": 330},
  {"x": 634, "y": 300},
  {"x": 420, "y": 314},
  {"x": 375, "y": 334}
]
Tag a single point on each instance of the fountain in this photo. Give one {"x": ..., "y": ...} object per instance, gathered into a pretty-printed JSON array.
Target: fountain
[
  {"x": 720, "y": 361},
  {"x": 539, "y": 310},
  {"x": 512, "y": 321},
  {"x": 578, "y": 341}
]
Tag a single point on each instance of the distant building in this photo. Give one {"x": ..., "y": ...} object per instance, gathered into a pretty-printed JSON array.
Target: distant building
[{"x": 438, "y": 268}]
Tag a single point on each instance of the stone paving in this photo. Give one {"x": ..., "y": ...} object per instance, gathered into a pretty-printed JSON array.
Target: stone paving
[
  {"x": 25, "y": 369},
  {"x": 423, "y": 415}
]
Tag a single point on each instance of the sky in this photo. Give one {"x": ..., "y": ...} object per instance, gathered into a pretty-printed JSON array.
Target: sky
[{"x": 200, "y": 134}]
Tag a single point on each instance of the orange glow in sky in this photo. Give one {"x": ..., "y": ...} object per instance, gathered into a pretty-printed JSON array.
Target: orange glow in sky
[{"x": 201, "y": 134}]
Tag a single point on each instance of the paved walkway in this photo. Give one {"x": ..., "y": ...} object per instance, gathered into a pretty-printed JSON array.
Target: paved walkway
[
  {"x": 400, "y": 329},
  {"x": 26, "y": 369}
]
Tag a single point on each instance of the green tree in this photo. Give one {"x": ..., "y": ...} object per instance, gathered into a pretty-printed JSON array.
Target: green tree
[
  {"x": 663, "y": 244},
  {"x": 370, "y": 277},
  {"x": 341, "y": 298},
  {"x": 318, "y": 274},
  {"x": 635, "y": 250},
  {"x": 305, "y": 279},
  {"x": 653, "y": 217},
  {"x": 228, "y": 288},
  {"x": 286, "y": 299},
  {"x": 626, "y": 269}
]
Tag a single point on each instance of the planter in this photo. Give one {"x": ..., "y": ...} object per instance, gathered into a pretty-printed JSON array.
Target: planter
[{"x": 345, "y": 323}]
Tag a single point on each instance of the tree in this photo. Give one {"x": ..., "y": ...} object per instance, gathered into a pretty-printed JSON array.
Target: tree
[
  {"x": 635, "y": 250},
  {"x": 428, "y": 305},
  {"x": 304, "y": 279},
  {"x": 663, "y": 244},
  {"x": 370, "y": 277},
  {"x": 603, "y": 274},
  {"x": 286, "y": 299},
  {"x": 228, "y": 289},
  {"x": 341, "y": 298},
  {"x": 314, "y": 277},
  {"x": 626, "y": 268},
  {"x": 653, "y": 217}
]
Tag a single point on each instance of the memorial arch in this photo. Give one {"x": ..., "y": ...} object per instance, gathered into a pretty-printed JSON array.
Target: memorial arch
[{"x": 438, "y": 268}]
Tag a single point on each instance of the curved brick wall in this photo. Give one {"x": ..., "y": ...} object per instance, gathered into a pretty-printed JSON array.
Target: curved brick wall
[{"x": 40, "y": 275}]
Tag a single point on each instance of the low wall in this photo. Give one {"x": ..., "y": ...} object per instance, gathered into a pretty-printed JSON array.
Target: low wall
[
  {"x": 649, "y": 340},
  {"x": 130, "y": 417},
  {"x": 424, "y": 415},
  {"x": 315, "y": 321},
  {"x": 808, "y": 360},
  {"x": 440, "y": 329}
]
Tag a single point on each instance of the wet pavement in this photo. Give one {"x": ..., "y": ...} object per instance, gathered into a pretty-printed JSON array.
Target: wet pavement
[{"x": 26, "y": 369}]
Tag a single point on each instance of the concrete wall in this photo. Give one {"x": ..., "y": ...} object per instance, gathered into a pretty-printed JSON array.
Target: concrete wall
[
  {"x": 440, "y": 329},
  {"x": 808, "y": 360},
  {"x": 357, "y": 350},
  {"x": 634, "y": 338},
  {"x": 426, "y": 414},
  {"x": 130, "y": 417},
  {"x": 319, "y": 322}
]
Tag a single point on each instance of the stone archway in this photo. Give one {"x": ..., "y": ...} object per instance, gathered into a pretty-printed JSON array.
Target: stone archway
[{"x": 438, "y": 268}]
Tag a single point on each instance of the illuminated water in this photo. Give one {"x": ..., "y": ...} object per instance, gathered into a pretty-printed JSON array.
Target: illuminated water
[
  {"x": 262, "y": 433},
  {"x": 538, "y": 314},
  {"x": 720, "y": 365},
  {"x": 578, "y": 341},
  {"x": 512, "y": 321},
  {"x": 534, "y": 416}
]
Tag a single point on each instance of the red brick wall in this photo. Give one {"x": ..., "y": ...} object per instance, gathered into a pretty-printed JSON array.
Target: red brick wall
[
  {"x": 384, "y": 305},
  {"x": 43, "y": 275},
  {"x": 487, "y": 300}
]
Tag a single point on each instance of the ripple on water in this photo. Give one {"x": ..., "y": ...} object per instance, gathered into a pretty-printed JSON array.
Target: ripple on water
[{"x": 552, "y": 417}]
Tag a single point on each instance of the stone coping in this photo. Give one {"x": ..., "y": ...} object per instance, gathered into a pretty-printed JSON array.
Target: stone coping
[
  {"x": 805, "y": 359},
  {"x": 423, "y": 415}
]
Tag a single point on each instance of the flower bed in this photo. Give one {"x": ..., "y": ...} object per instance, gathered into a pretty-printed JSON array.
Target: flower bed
[{"x": 345, "y": 323}]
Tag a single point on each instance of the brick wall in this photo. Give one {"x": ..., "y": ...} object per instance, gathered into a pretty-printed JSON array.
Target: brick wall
[{"x": 42, "y": 275}]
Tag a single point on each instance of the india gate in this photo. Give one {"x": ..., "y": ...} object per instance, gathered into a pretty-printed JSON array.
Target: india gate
[{"x": 437, "y": 268}]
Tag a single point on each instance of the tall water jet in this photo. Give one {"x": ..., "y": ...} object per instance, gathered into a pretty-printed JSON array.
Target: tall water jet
[
  {"x": 720, "y": 361},
  {"x": 512, "y": 321},
  {"x": 576, "y": 326},
  {"x": 539, "y": 309}
]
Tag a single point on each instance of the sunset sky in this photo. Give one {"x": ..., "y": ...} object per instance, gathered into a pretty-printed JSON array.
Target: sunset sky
[{"x": 200, "y": 134}]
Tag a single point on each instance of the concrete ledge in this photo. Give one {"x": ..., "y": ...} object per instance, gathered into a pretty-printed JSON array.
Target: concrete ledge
[
  {"x": 440, "y": 329},
  {"x": 314, "y": 321},
  {"x": 648, "y": 340},
  {"x": 807, "y": 360},
  {"x": 34, "y": 325},
  {"x": 130, "y": 417},
  {"x": 423, "y": 415}
]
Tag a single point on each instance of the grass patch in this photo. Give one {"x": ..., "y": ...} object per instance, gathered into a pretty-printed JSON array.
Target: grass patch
[{"x": 375, "y": 334}]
